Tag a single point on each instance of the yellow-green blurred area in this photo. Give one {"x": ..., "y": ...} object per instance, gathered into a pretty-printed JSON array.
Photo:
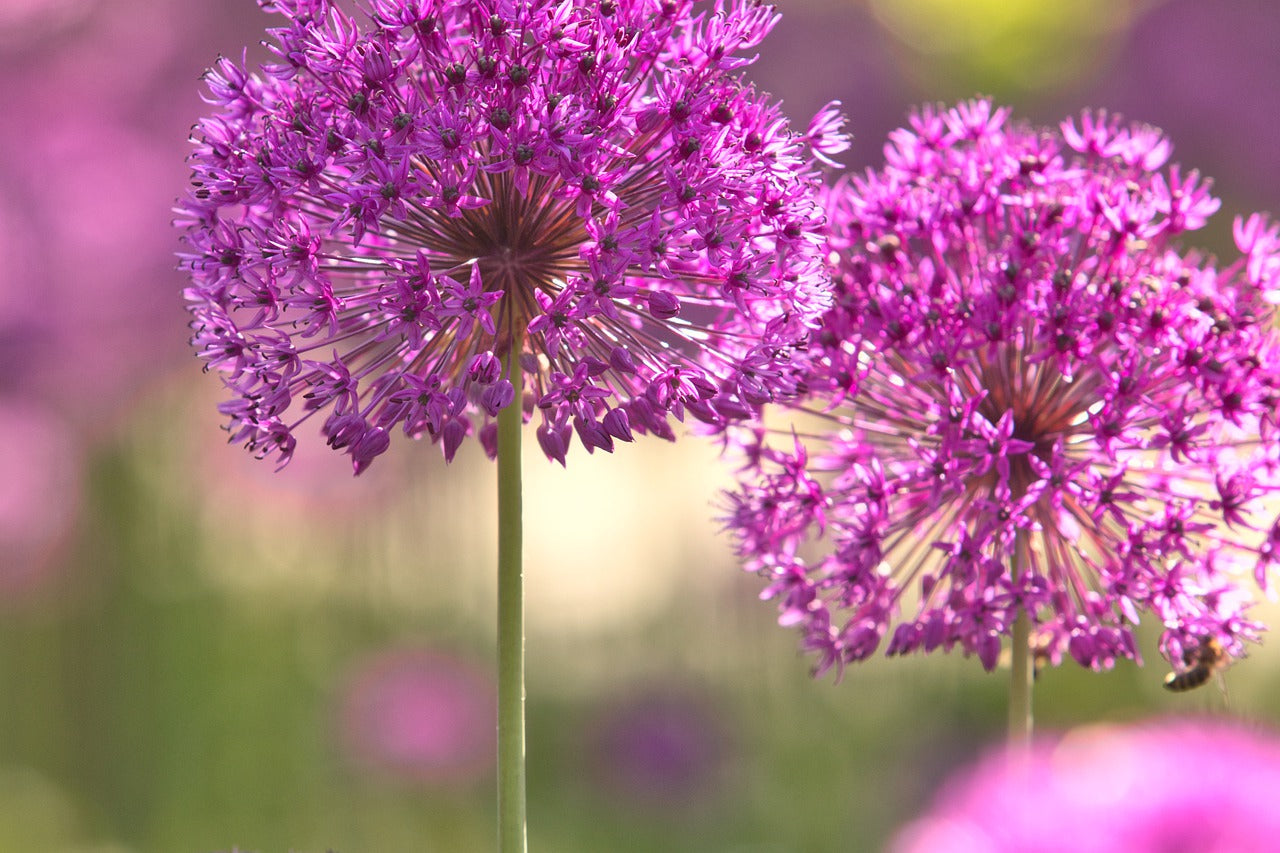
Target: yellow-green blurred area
[
  {"x": 999, "y": 47},
  {"x": 198, "y": 653}
]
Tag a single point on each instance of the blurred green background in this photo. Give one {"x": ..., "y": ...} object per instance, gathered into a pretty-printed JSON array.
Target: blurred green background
[{"x": 197, "y": 653}]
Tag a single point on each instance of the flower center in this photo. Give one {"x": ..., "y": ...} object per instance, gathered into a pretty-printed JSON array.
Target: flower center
[
  {"x": 519, "y": 247},
  {"x": 1045, "y": 407}
]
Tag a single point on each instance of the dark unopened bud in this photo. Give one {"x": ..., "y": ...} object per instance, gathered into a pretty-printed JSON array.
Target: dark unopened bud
[
  {"x": 663, "y": 305},
  {"x": 617, "y": 424},
  {"x": 451, "y": 437},
  {"x": 620, "y": 359},
  {"x": 497, "y": 396},
  {"x": 593, "y": 434}
]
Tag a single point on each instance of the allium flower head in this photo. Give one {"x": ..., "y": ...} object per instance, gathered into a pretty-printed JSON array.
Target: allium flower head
[
  {"x": 1171, "y": 787},
  {"x": 1025, "y": 397},
  {"x": 376, "y": 216}
]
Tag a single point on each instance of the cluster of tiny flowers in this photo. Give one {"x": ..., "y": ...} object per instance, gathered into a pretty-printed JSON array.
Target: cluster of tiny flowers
[
  {"x": 1025, "y": 399},
  {"x": 378, "y": 218},
  {"x": 1171, "y": 787}
]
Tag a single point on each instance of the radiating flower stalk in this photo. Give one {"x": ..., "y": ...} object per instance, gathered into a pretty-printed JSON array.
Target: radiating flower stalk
[
  {"x": 1031, "y": 416},
  {"x": 449, "y": 218}
]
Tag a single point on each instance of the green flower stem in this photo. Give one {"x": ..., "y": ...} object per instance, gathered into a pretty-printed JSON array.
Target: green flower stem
[
  {"x": 1020, "y": 662},
  {"x": 1020, "y": 683},
  {"x": 511, "y": 769}
]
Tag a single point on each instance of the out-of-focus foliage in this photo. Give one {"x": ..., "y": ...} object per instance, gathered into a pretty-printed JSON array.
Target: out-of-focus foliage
[
  {"x": 176, "y": 669},
  {"x": 1006, "y": 49}
]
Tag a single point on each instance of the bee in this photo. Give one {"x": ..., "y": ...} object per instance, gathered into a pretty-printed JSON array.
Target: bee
[
  {"x": 1201, "y": 664},
  {"x": 1042, "y": 654}
]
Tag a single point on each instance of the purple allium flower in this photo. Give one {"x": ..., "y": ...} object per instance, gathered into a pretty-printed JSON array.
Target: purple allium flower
[
  {"x": 376, "y": 217},
  {"x": 664, "y": 748},
  {"x": 421, "y": 715},
  {"x": 1025, "y": 397},
  {"x": 1170, "y": 787}
]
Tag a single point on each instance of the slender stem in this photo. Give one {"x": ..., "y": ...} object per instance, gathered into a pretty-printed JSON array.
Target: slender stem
[
  {"x": 511, "y": 768},
  {"x": 1020, "y": 661},
  {"x": 1020, "y": 683}
]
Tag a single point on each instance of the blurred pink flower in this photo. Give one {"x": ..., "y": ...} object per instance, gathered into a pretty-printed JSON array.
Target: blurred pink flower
[
  {"x": 86, "y": 188},
  {"x": 77, "y": 330},
  {"x": 1189, "y": 786},
  {"x": 421, "y": 715},
  {"x": 98, "y": 110}
]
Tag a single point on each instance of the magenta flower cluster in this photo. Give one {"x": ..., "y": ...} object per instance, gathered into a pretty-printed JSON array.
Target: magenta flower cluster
[
  {"x": 1025, "y": 399},
  {"x": 381, "y": 215},
  {"x": 419, "y": 714},
  {"x": 1169, "y": 787}
]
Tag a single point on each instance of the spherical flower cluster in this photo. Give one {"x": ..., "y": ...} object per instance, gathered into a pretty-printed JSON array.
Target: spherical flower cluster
[
  {"x": 1024, "y": 400},
  {"x": 1161, "y": 788},
  {"x": 378, "y": 218}
]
